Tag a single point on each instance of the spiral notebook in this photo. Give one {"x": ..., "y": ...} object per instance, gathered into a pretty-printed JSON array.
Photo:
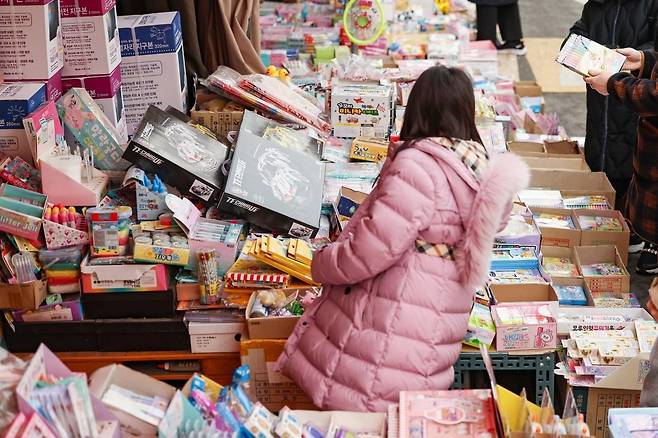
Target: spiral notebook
[{"x": 580, "y": 54}]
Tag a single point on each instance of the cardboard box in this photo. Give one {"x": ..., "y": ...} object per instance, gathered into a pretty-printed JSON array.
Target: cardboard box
[
  {"x": 216, "y": 337},
  {"x": 194, "y": 169},
  {"x": 106, "y": 92},
  {"x": 23, "y": 296},
  {"x": 362, "y": 110},
  {"x": 220, "y": 122},
  {"x": 527, "y": 148},
  {"x": 31, "y": 42},
  {"x": 45, "y": 362},
  {"x": 621, "y": 389},
  {"x": 369, "y": 149},
  {"x": 560, "y": 252},
  {"x": 253, "y": 195},
  {"x": 349, "y": 200},
  {"x": 598, "y": 318},
  {"x": 123, "y": 278},
  {"x": 561, "y": 237},
  {"x": 537, "y": 336},
  {"x": 573, "y": 183},
  {"x": 520, "y": 293},
  {"x": 90, "y": 36},
  {"x": 153, "y": 72},
  {"x": 270, "y": 387},
  {"x": 139, "y": 383},
  {"x": 280, "y": 327},
  {"x": 530, "y": 95},
  {"x": 574, "y": 281},
  {"x": 16, "y": 102},
  {"x": 85, "y": 121},
  {"x": 562, "y": 147},
  {"x": 619, "y": 239},
  {"x": 588, "y": 255},
  {"x": 553, "y": 163}
]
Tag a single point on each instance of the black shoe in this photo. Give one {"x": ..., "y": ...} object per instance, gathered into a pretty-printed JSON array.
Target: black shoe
[
  {"x": 636, "y": 244},
  {"x": 648, "y": 263},
  {"x": 515, "y": 47}
]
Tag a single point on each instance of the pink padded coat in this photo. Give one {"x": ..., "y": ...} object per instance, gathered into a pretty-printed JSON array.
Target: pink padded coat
[{"x": 391, "y": 318}]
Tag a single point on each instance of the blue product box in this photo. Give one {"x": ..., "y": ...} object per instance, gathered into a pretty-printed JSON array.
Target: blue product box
[
  {"x": 17, "y": 100},
  {"x": 152, "y": 33}
]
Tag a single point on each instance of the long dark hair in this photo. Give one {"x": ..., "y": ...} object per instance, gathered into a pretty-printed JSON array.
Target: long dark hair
[{"x": 441, "y": 104}]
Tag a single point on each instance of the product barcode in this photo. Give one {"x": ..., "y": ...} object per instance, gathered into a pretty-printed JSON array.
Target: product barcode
[{"x": 106, "y": 239}]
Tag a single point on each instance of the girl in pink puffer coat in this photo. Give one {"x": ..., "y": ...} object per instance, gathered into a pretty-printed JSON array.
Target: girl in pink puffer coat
[{"x": 399, "y": 282}]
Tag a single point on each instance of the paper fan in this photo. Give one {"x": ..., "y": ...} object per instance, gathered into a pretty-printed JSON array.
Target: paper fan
[{"x": 363, "y": 21}]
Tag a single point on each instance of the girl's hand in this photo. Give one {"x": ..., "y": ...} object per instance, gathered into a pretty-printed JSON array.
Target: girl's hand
[
  {"x": 633, "y": 58},
  {"x": 598, "y": 80}
]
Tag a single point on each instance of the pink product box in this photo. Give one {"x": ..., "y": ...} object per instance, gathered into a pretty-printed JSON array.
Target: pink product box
[
  {"x": 85, "y": 8},
  {"x": 106, "y": 92},
  {"x": 30, "y": 39},
  {"x": 525, "y": 326},
  {"x": 91, "y": 42}
]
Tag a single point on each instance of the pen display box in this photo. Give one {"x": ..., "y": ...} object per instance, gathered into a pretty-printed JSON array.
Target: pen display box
[
  {"x": 207, "y": 234},
  {"x": 273, "y": 186},
  {"x": 31, "y": 43},
  {"x": 525, "y": 326},
  {"x": 152, "y": 65},
  {"x": 91, "y": 128},
  {"x": 21, "y": 211},
  {"x": 16, "y": 102},
  {"x": 181, "y": 155}
]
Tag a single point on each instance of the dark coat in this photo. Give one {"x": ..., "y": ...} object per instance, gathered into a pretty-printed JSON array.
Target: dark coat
[
  {"x": 639, "y": 92},
  {"x": 611, "y": 128}
]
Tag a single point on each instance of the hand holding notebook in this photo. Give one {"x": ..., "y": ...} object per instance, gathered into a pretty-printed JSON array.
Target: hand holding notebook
[{"x": 583, "y": 55}]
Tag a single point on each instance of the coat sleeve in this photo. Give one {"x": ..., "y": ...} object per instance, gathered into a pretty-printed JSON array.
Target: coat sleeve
[
  {"x": 640, "y": 95},
  {"x": 402, "y": 206}
]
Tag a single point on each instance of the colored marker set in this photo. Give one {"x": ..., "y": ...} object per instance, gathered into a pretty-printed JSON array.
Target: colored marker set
[
  {"x": 63, "y": 216},
  {"x": 156, "y": 186}
]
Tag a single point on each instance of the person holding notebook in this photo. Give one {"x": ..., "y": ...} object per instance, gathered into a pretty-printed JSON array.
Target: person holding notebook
[
  {"x": 611, "y": 132},
  {"x": 638, "y": 91}
]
